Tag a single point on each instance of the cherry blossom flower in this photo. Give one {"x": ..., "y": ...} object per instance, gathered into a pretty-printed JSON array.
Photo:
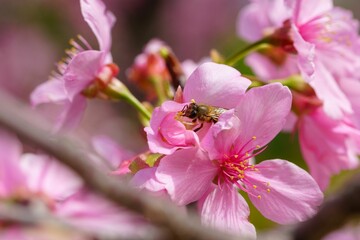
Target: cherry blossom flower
[
  {"x": 149, "y": 67},
  {"x": 84, "y": 72},
  {"x": 39, "y": 178},
  {"x": 213, "y": 173},
  {"x": 328, "y": 145},
  {"x": 319, "y": 33},
  {"x": 210, "y": 84},
  {"x": 307, "y": 37}
]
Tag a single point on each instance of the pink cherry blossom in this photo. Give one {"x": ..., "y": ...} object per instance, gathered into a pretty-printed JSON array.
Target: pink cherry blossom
[
  {"x": 82, "y": 68},
  {"x": 211, "y": 84},
  {"x": 39, "y": 177},
  {"x": 328, "y": 145},
  {"x": 316, "y": 34},
  {"x": 213, "y": 173},
  {"x": 149, "y": 66}
]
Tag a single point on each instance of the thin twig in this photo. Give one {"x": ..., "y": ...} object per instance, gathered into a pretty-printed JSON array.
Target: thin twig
[{"x": 27, "y": 125}]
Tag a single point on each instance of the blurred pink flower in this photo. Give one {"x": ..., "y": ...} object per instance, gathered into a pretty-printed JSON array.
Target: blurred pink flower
[
  {"x": 349, "y": 232},
  {"x": 82, "y": 68},
  {"x": 309, "y": 35},
  {"x": 30, "y": 177},
  {"x": 317, "y": 34},
  {"x": 328, "y": 145},
  {"x": 115, "y": 155},
  {"x": 213, "y": 173},
  {"x": 211, "y": 84}
]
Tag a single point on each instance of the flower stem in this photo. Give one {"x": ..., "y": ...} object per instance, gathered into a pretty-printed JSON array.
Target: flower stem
[
  {"x": 159, "y": 89},
  {"x": 118, "y": 91},
  {"x": 262, "y": 43}
]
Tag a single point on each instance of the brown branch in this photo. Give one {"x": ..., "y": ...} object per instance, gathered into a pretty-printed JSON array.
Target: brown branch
[
  {"x": 333, "y": 214},
  {"x": 22, "y": 121}
]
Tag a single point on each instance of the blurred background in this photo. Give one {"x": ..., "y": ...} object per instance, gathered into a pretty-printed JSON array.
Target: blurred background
[{"x": 35, "y": 33}]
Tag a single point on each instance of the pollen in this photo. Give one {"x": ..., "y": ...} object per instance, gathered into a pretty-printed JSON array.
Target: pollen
[
  {"x": 259, "y": 197},
  {"x": 257, "y": 146},
  {"x": 254, "y": 186},
  {"x": 254, "y": 137},
  {"x": 236, "y": 156},
  {"x": 268, "y": 190}
]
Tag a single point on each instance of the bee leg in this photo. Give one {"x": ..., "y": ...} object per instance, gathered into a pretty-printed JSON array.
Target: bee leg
[{"x": 197, "y": 129}]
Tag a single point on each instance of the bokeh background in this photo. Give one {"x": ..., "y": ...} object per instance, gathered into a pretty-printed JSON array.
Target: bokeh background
[{"x": 35, "y": 33}]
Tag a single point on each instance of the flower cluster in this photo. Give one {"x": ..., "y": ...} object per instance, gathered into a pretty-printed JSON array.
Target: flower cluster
[
  {"x": 204, "y": 124},
  {"x": 319, "y": 42}
]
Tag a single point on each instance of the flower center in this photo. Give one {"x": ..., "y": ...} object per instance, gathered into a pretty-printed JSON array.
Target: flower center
[{"x": 233, "y": 168}]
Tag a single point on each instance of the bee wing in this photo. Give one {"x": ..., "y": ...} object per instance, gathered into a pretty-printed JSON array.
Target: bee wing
[{"x": 219, "y": 111}]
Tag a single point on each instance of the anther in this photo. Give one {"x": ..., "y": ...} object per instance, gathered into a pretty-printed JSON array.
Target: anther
[
  {"x": 254, "y": 137},
  {"x": 254, "y": 186},
  {"x": 259, "y": 196}
]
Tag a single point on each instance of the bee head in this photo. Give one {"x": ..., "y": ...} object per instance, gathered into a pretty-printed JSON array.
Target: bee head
[{"x": 190, "y": 110}]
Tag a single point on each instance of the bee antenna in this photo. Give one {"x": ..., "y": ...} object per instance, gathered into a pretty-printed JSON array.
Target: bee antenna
[{"x": 185, "y": 108}]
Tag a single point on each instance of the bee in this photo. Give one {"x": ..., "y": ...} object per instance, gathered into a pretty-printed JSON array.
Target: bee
[{"x": 201, "y": 113}]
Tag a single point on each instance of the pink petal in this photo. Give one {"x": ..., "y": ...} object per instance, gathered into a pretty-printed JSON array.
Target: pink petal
[
  {"x": 222, "y": 135},
  {"x": 82, "y": 71},
  {"x": 100, "y": 21},
  {"x": 216, "y": 85},
  {"x": 110, "y": 150},
  {"x": 327, "y": 150},
  {"x": 268, "y": 70},
  {"x": 11, "y": 176},
  {"x": 293, "y": 194},
  {"x": 71, "y": 114},
  {"x": 262, "y": 113},
  {"x": 166, "y": 134},
  {"x": 44, "y": 173},
  {"x": 187, "y": 174},
  {"x": 227, "y": 210},
  {"x": 260, "y": 17},
  {"x": 305, "y": 53},
  {"x": 351, "y": 88},
  {"x": 50, "y": 91},
  {"x": 146, "y": 179},
  {"x": 350, "y": 232},
  {"x": 336, "y": 104},
  {"x": 92, "y": 213},
  {"x": 306, "y": 10}
]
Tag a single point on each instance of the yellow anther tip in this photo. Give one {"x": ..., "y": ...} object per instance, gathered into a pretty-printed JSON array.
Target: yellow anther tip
[
  {"x": 259, "y": 197},
  {"x": 254, "y": 186},
  {"x": 268, "y": 190},
  {"x": 253, "y": 137}
]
